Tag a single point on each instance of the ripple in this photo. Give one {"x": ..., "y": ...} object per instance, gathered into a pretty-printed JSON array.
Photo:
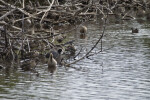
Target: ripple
[{"x": 119, "y": 73}]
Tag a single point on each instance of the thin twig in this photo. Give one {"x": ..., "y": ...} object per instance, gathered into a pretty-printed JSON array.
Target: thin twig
[{"x": 101, "y": 36}]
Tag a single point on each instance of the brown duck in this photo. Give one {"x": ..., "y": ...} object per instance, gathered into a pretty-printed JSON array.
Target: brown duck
[
  {"x": 52, "y": 63},
  {"x": 83, "y": 31},
  {"x": 29, "y": 65}
]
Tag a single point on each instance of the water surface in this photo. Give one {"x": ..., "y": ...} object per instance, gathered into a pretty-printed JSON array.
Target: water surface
[{"x": 120, "y": 72}]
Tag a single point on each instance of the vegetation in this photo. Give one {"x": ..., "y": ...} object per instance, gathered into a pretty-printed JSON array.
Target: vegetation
[{"x": 30, "y": 29}]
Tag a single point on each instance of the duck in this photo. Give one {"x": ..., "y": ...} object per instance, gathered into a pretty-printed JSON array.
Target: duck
[
  {"x": 60, "y": 38},
  {"x": 135, "y": 30},
  {"x": 71, "y": 50},
  {"x": 83, "y": 31},
  {"x": 31, "y": 54},
  {"x": 27, "y": 24},
  {"x": 42, "y": 47},
  {"x": 33, "y": 44},
  {"x": 29, "y": 65},
  {"x": 57, "y": 54},
  {"x": 52, "y": 63}
]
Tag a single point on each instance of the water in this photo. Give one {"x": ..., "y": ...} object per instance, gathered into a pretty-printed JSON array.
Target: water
[{"x": 120, "y": 72}]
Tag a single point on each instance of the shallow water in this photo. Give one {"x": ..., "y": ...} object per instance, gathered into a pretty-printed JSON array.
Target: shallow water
[{"x": 120, "y": 72}]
